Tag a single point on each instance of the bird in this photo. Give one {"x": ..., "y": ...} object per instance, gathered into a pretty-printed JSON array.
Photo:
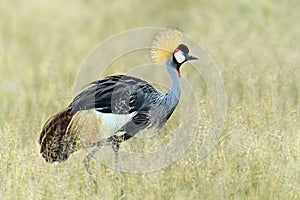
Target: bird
[{"x": 120, "y": 105}]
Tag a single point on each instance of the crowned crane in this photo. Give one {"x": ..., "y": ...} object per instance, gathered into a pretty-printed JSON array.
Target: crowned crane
[{"x": 121, "y": 105}]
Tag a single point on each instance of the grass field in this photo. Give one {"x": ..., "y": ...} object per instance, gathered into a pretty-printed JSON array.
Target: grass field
[{"x": 255, "y": 45}]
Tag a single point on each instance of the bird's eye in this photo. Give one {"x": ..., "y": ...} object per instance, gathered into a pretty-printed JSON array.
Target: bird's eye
[{"x": 179, "y": 56}]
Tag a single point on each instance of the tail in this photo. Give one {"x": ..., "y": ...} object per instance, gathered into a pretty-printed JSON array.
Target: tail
[
  {"x": 65, "y": 133},
  {"x": 56, "y": 144}
]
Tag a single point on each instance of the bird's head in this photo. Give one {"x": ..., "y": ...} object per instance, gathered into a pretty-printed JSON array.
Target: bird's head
[
  {"x": 181, "y": 55},
  {"x": 167, "y": 45}
]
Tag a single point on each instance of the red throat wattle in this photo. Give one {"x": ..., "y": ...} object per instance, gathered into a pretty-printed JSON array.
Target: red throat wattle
[{"x": 178, "y": 71}]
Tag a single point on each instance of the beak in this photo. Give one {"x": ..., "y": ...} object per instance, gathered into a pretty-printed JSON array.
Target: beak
[{"x": 190, "y": 57}]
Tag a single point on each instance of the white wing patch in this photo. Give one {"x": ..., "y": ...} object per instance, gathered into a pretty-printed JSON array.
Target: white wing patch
[{"x": 110, "y": 123}]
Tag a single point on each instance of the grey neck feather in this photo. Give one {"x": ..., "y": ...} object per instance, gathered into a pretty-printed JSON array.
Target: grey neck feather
[{"x": 173, "y": 94}]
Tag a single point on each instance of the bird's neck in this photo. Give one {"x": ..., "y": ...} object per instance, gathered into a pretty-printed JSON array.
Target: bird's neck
[{"x": 174, "y": 92}]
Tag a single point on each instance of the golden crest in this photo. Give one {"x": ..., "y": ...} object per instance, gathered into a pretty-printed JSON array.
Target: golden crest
[{"x": 164, "y": 43}]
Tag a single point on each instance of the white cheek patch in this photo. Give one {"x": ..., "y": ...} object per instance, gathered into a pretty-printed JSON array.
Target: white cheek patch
[{"x": 180, "y": 58}]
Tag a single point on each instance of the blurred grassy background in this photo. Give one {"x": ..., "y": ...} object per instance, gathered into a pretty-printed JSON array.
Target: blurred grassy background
[{"x": 256, "y": 46}]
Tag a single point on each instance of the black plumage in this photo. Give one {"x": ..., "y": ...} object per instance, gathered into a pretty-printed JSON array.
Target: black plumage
[{"x": 118, "y": 94}]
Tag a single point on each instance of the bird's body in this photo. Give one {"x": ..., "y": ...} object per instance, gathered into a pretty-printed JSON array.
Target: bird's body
[{"x": 119, "y": 106}]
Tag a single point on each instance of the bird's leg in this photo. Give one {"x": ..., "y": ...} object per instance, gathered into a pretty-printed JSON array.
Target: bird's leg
[
  {"x": 86, "y": 160},
  {"x": 115, "y": 147}
]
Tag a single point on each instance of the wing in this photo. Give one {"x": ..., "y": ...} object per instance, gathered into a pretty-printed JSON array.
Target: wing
[{"x": 119, "y": 94}]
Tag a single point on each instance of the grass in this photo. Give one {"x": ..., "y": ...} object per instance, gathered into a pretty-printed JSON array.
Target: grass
[{"x": 256, "y": 46}]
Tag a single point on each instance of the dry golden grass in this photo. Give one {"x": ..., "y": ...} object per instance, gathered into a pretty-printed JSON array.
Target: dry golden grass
[{"x": 256, "y": 46}]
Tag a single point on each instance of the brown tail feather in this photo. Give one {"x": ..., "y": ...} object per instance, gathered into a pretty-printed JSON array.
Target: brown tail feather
[{"x": 53, "y": 138}]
